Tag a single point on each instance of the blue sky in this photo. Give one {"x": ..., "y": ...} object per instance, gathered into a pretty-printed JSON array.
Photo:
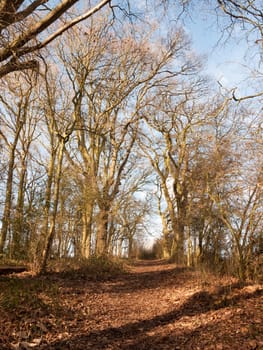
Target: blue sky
[
  {"x": 229, "y": 59},
  {"x": 224, "y": 58}
]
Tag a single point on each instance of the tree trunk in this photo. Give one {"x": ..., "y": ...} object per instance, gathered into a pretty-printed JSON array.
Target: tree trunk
[
  {"x": 86, "y": 234},
  {"x": 119, "y": 247},
  {"x": 87, "y": 218},
  {"x": 166, "y": 248},
  {"x": 51, "y": 231},
  {"x": 102, "y": 231},
  {"x": 9, "y": 188},
  {"x": 130, "y": 248},
  {"x": 189, "y": 249},
  {"x": 179, "y": 237},
  {"x": 19, "y": 248},
  {"x": 242, "y": 268},
  {"x": 44, "y": 228},
  {"x": 177, "y": 252}
]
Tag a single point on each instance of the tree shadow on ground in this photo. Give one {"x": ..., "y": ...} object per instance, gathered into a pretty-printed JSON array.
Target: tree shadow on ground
[
  {"x": 135, "y": 335},
  {"x": 212, "y": 336},
  {"x": 122, "y": 283},
  {"x": 132, "y": 282},
  {"x": 156, "y": 262}
]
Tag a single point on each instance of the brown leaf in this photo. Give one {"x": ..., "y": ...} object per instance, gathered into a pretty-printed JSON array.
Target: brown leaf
[
  {"x": 244, "y": 330},
  {"x": 253, "y": 344},
  {"x": 42, "y": 327},
  {"x": 29, "y": 345}
]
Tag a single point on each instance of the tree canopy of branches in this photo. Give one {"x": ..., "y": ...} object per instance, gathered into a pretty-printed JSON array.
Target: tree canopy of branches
[
  {"x": 246, "y": 15},
  {"x": 25, "y": 28},
  {"x": 121, "y": 126}
]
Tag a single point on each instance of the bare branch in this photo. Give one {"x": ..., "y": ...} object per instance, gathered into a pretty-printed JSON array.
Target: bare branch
[
  {"x": 17, "y": 47},
  {"x": 8, "y": 15},
  {"x": 74, "y": 22},
  {"x": 239, "y": 99},
  {"x": 13, "y": 66}
]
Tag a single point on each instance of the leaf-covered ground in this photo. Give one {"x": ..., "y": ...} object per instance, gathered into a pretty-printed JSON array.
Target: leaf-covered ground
[{"x": 153, "y": 306}]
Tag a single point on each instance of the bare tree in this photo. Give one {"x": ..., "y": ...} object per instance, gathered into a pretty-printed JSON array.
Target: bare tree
[
  {"x": 110, "y": 76},
  {"x": 234, "y": 185},
  {"x": 59, "y": 124},
  {"x": 174, "y": 120},
  {"x": 16, "y": 104}
]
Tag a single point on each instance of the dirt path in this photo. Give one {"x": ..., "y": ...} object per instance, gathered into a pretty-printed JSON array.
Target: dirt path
[{"x": 153, "y": 306}]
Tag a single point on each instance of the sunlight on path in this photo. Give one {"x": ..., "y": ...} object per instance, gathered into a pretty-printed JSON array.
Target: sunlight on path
[
  {"x": 154, "y": 306},
  {"x": 143, "y": 266}
]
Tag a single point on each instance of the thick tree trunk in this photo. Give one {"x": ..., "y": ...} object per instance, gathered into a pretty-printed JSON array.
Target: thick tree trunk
[
  {"x": 179, "y": 225},
  {"x": 86, "y": 235},
  {"x": 130, "y": 248},
  {"x": 166, "y": 244},
  {"x": 119, "y": 247},
  {"x": 242, "y": 269},
  {"x": 87, "y": 217},
  {"x": 102, "y": 231}
]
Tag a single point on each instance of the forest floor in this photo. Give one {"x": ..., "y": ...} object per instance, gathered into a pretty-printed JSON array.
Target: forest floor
[{"x": 154, "y": 305}]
